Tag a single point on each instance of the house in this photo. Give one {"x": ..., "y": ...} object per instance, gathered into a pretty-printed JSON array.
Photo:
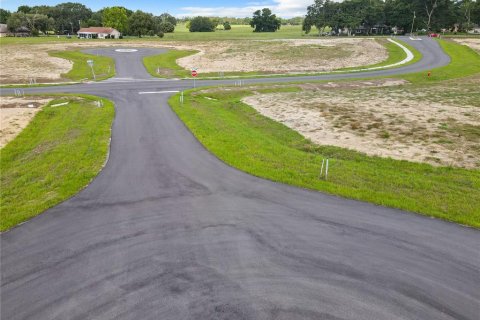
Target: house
[
  {"x": 4, "y": 30},
  {"x": 98, "y": 32}
]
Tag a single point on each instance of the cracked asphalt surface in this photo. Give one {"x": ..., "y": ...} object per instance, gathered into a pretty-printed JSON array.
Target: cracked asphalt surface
[{"x": 168, "y": 231}]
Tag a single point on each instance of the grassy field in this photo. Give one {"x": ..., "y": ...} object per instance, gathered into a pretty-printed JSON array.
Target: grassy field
[
  {"x": 182, "y": 34},
  {"x": 243, "y": 138},
  {"x": 104, "y": 67},
  {"x": 54, "y": 157}
]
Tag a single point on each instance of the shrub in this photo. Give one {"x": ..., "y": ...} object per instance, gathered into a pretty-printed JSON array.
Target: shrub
[
  {"x": 227, "y": 26},
  {"x": 160, "y": 34},
  {"x": 166, "y": 27},
  {"x": 202, "y": 24}
]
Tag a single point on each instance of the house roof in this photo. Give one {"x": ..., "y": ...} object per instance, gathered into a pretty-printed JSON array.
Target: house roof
[{"x": 97, "y": 30}]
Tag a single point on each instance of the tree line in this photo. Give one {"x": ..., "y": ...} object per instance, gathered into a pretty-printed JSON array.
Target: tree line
[
  {"x": 69, "y": 17},
  {"x": 403, "y": 15}
]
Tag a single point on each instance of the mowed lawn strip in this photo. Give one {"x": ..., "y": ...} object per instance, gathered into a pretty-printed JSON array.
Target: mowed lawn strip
[
  {"x": 54, "y": 157},
  {"x": 241, "y": 137},
  {"x": 103, "y": 66}
]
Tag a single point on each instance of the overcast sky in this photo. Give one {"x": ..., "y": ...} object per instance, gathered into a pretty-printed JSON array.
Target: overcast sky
[{"x": 230, "y": 8}]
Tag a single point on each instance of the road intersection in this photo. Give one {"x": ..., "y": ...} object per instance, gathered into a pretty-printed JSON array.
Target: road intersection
[{"x": 168, "y": 231}]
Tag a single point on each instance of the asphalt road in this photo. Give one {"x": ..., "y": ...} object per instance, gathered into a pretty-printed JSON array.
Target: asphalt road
[{"x": 167, "y": 231}]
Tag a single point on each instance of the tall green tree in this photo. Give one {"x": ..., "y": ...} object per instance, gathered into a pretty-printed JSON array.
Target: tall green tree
[
  {"x": 4, "y": 15},
  {"x": 140, "y": 23},
  {"x": 115, "y": 17},
  {"x": 166, "y": 17},
  {"x": 69, "y": 16},
  {"x": 265, "y": 21}
]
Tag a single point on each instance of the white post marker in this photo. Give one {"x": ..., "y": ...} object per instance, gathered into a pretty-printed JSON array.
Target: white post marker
[
  {"x": 326, "y": 171},
  {"x": 321, "y": 170},
  {"x": 90, "y": 63}
]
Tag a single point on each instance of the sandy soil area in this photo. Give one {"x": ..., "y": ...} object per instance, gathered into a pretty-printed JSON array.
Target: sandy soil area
[
  {"x": 16, "y": 113},
  {"x": 393, "y": 123},
  {"x": 19, "y": 63},
  {"x": 472, "y": 43},
  {"x": 285, "y": 56}
]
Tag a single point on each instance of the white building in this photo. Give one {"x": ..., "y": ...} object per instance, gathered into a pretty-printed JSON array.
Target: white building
[{"x": 98, "y": 32}]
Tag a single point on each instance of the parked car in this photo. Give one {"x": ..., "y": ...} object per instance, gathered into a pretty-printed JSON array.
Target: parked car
[{"x": 433, "y": 35}]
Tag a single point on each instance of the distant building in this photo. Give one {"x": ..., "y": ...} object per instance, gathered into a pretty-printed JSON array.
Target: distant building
[
  {"x": 3, "y": 30},
  {"x": 98, "y": 32}
]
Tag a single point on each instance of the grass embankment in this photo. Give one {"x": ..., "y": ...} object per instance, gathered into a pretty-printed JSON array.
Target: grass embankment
[
  {"x": 54, "y": 157},
  {"x": 464, "y": 62},
  {"x": 103, "y": 66}
]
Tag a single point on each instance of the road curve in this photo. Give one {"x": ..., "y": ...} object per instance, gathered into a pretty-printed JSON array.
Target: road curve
[{"x": 167, "y": 231}]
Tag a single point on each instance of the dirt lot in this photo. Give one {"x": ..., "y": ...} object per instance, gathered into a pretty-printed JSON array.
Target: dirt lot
[
  {"x": 285, "y": 56},
  {"x": 16, "y": 113},
  {"x": 20, "y": 62},
  {"x": 438, "y": 124},
  {"x": 472, "y": 43}
]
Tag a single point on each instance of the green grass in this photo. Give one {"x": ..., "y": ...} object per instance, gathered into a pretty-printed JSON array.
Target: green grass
[
  {"x": 395, "y": 55},
  {"x": 244, "y": 139},
  {"x": 166, "y": 63},
  {"x": 54, "y": 157},
  {"x": 181, "y": 34},
  {"x": 464, "y": 62},
  {"x": 103, "y": 66}
]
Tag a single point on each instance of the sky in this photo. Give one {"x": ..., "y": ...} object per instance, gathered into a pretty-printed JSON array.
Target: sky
[{"x": 229, "y": 8}]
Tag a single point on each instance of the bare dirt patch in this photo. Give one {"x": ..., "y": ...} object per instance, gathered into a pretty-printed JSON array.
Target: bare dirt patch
[
  {"x": 285, "y": 56},
  {"x": 20, "y": 62},
  {"x": 16, "y": 113},
  {"x": 472, "y": 43},
  {"x": 439, "y": 124}
]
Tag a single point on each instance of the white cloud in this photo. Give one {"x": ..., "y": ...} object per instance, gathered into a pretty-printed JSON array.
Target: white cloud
[{"x": 282, "y": 8}]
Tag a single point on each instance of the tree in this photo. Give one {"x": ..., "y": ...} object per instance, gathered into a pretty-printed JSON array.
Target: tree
[
  {"x": 166, "y": 17},
  {"x": 4, "y": 15},
  {"x": 68, "y": 16},
  {"x": 430, "y": 6},
  {"x": 227, "y": 26},
  {"x": 115, "y": 17},
  {"x": 24, "y": 9},
  {"x": 94, "y": 21},
  {"x": 165, "y": 27},
  {"x": 202, "y": 24},
  {"x": 140, "y": 23},
  {"x": 265, "y": 21},
  {"x": 16, "y": 21}
]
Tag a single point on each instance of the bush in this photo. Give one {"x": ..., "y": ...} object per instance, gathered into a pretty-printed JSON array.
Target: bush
[
  {"x": 227, "y": 26},
  {"x": 160, "y": 34},
  {"x": 166, "y": 27},
  {"x": 202, "y": 24}
]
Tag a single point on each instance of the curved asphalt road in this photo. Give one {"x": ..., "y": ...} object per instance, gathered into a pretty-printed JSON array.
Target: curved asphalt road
[{"x": 167, "y": 231}]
